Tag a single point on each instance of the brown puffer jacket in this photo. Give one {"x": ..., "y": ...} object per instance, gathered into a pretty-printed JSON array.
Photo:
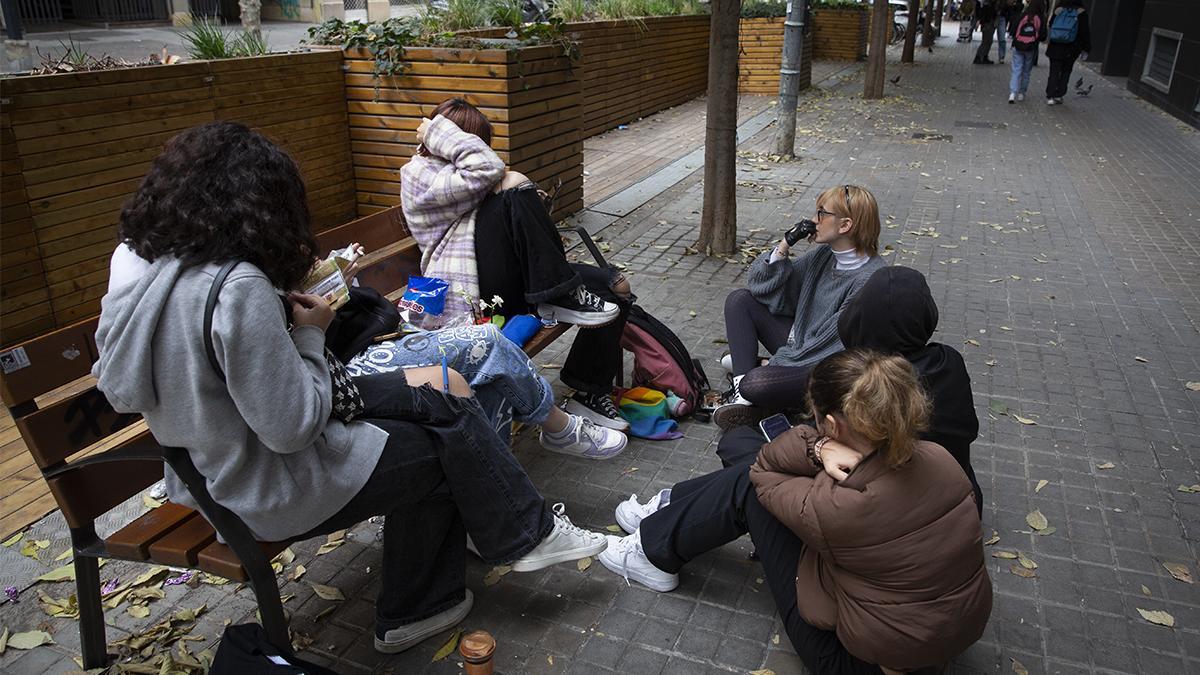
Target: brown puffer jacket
[{"x": 893, "y": 558}]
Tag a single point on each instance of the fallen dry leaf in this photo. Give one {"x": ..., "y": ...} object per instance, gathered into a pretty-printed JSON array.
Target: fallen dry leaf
[
  {"x": 1106, "y": 465},
  {"x": 1017, "y": 667},
  {"x": 298, "y": 572},
  {"x": 1036, "y": 520},
  {"x": 1022, "y": 572},
  {"x": 493, "y": 577},
  {"x": 1145, "y": 590},
  {"x": 1194, "y": 386},
  {"x": 990, "y": 362},
  {"x": 150, "y": 502},
  {"x": 1157, "y": 616},
  {"x": 1180, "y": 572},
  {"x": 17, "y": 537},
  {"x": 971, "y": 341},
  {"x": 762, "y": 671},
  {"x": 1026, "y": 562},
  {"x": 1188, "y": 488},
  {"x": 328, "y": 592},
  {"x": 1046, "y": 532},
  {"x": 4, "y": 642},
  {"x": 448, "y": 648},
  {"x": 1141, "y": 359},
  {"x": 1004, "y": 555},
  {"x": 1023, "y": 420},
  {"x": 30, "y": 639},
  {"x": 1041, "y": 484},
  {"x": 994, "y": 539},
  {"x": 614, "y": 528}
]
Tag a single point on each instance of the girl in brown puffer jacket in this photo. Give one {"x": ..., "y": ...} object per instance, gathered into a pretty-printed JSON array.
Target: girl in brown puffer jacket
[{"x": 869, "y": 538}]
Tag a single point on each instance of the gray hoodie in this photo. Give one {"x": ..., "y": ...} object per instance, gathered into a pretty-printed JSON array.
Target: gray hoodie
[{"x": 265, "y": 440}]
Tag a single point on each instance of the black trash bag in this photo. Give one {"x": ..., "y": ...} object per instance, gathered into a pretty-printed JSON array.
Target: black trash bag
[{"x": 245, "y": 650}]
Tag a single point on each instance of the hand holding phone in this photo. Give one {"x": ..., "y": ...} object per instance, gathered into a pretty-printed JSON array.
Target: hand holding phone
[{"x": 774, "y": 426}]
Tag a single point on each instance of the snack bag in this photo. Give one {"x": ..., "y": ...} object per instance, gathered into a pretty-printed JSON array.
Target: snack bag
[
  {"x": 327, "y": 279},
  {"x": 424, "y": 302}
]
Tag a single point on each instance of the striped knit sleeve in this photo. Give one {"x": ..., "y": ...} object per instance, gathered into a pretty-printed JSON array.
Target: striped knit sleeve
[
  {"x": 777, "y": 284},
  {"x": 446, "y": 191}
]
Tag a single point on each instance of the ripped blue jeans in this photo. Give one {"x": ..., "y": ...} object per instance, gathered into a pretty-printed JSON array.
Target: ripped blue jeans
[{"x": 505, "y": 381}]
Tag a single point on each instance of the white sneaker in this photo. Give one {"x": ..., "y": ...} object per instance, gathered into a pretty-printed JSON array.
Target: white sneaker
[
  {"x": 626, "y": 557},
  {"x": 1012, "y": 98},
  {"x": 1020, "y": 97},
  {"x": 580, "y": 307},
  {"x": 586, "y": 439},
  {"x": 1050, "y": 101},
  {"x": 630, "y": 513},
  {"x": 399, "y": 639},
  {"x": 564, "y": 544},
  {"x": 727, "y": 362}
]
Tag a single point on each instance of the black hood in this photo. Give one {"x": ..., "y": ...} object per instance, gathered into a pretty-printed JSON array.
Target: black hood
[{"x": 893, "y": 312}]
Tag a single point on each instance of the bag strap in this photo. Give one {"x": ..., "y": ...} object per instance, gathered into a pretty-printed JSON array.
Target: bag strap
[
  {"x": 209, "y": 306},
  {"x": 591, "y": 246}
]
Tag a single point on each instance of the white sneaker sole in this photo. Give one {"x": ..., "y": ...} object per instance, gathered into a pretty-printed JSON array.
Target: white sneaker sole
[
  {"x": 580, "y": 319},
  {"x": 429, "y": 627},
  {"x": 624, "y": 519},
  {"x": 575, "y": 453},
  {"x": 576, "y": 408},
  {"x": 528, "y": 564},
  {"x": 653, "y": 583}
]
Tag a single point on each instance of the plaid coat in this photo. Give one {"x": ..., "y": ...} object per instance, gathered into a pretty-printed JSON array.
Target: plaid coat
[{"x": 439, "y": 196}]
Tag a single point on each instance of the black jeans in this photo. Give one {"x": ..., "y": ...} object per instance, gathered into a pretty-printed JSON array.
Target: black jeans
[
  {"x": 713, "y": 510},
  {"x": 1060, "y": 76},
  {"x": 442, "y": 474},
  {"x": 748, "y": 322},
  {"x": 519, "y": 256},
  {"x": 985, "y": 45},
  {"x": 739, "y": 446}
]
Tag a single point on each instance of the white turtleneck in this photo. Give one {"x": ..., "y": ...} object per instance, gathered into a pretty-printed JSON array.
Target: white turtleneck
[{"x": 849, "y": 259}]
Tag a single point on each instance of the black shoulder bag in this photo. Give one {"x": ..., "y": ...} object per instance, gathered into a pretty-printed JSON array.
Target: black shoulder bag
[{"x": 347, "y": 401}]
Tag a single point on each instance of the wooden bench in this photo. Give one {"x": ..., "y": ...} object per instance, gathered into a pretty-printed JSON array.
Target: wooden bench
[{"x": 94, "y": 458}]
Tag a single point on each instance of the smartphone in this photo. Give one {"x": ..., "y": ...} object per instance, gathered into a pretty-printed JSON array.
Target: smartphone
[{"x": 774, "y": 426}]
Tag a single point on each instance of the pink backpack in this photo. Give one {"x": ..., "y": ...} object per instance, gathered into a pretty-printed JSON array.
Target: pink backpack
[
  {"x": 661, "y": 361},
  {"x": 1028, "y": 30}
]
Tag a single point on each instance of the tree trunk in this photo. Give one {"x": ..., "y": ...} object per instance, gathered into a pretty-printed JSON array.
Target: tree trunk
[
  {"x": 910, "y": 31},
  {"x": 877, "y": 51},
  {"x": 927, "y": 37},
  {"x": 251, "y": 15},
  {"x": 941, "y": 8},
  {"x": 718, "y": 222},
  {"x": 789, "y": 78}
]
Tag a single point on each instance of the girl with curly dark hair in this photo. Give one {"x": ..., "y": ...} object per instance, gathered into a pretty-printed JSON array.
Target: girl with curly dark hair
[{"x": 263, "y": 436}]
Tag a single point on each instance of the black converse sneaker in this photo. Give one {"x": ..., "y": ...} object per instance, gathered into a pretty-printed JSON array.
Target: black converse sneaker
[
  {"x": 737, "y": 411},
  {"x": 580, "y": 307},
  {"x": 598, "y": 408}
]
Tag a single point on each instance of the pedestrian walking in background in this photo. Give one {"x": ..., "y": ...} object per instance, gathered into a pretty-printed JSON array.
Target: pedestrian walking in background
[
  {"x": 1007, "y": 13},
  {"x": 1027, "y": 31},
  {"x": 1070, "y": 37},
  {"x": 986, "y": 14},
  {"x": 966, "y": 19}
]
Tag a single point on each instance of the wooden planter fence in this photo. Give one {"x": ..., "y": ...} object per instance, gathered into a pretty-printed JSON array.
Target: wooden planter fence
[
  {"x": 75, "y": 146},
  {"x": 529, "y": 94},
  {"x": 636, "y": 67},
  {"x": 840, "y": 34},
  {"x": 760, "y": 52}
]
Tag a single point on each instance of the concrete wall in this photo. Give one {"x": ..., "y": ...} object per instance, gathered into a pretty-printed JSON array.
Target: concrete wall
[{"x": 1183, "y": 96}]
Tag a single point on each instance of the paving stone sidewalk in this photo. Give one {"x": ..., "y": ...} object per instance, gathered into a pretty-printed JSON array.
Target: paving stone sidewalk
[{"x": 1060, "y": 243}]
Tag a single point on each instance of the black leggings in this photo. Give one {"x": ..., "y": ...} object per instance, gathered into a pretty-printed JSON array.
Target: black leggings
[
  {"x": 712, "y": 510},
  {"x": 748, "y": 322}
]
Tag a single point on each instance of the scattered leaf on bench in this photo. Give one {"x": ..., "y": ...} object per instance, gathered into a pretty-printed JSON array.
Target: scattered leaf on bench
[
  {"x": 1189, "y": 488},
  {"x": 30, "y": 639},
  {"x": 13, "y": 539},
  {"x": 1041, "y": 484},
  {"x": 150, "y": 502},
  {"x": 493, "y": 576},
  {"x": 1022, "y": 572},
  {"x": 1106, "y": 465},
  {"x": 1180, "y": 572},
  {"x": 448, "y": 648},
  {"x": 1004, "y": 555},
  {"x": 1156, "y": 616},
  {"x": 328, "y": 592},
  {"x": 298, "y": 572},
  {"x": 1023, "y": 420},
  {"x": 1036, "y": 520},
  {"x": 614, "y": 528},
  {"x": 584, "y": 563}
]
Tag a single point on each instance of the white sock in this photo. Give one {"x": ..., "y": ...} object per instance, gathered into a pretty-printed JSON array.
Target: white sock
[{"x": 568, "y": 430}]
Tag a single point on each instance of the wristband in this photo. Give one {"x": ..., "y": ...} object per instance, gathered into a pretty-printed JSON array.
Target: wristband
[{"x": 814, "y": 453}]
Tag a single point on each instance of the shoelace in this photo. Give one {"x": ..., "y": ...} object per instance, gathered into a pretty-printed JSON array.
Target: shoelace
[
  {"x": 588, "y": 428},
  {"x": 628, "y": 547},
  {"x": 586, "y": 297},
  {"x": 560, "y": 512},
  {"x": 606, "y": 405},
  {"x": 732, "y": 394}
]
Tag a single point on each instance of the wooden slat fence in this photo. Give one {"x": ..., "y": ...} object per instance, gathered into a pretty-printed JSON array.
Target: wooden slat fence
[
  {"x": 760, "y": 52},
  {"x": 840, "y": 34}
]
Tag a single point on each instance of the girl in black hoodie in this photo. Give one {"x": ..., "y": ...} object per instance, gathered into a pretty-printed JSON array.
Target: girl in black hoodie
[{"x": 1062, "y": 52}]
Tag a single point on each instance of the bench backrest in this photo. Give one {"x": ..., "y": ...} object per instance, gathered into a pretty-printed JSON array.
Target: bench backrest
[
  {"x": 392, "y": 255},
  {"x": 71, "y": 420}
]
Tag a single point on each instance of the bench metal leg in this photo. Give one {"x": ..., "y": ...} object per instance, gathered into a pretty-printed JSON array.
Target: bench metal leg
[
  {"x": 270, "y": 607},
  {"x": 91, "y": 612}
]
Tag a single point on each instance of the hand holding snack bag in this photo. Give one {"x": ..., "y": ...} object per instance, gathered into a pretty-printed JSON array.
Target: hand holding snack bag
[{"x": 330, "y": 278}]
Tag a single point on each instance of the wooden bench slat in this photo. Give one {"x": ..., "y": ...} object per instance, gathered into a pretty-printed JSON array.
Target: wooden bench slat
[
  {"x": 181, "y": 546},
  {"x": 54, "y": 360},
  {"x": 219, "y": 559},
  {"x": 57, "y": 431},
  {"x": 133, "y": 541}
]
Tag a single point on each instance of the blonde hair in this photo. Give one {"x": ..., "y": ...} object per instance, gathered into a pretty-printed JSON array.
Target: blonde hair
[
  {"x": 858, "y": 204},
  {"x": 878, "y": 395}
]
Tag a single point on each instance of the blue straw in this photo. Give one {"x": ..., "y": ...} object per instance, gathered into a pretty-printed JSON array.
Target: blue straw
[{"x": 445, "y": 376}]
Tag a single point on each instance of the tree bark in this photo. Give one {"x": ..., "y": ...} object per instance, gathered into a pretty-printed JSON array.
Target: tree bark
[
  {"x": 789, "y": 78},
  {"x": 251, "y": 15},
  {"x": 877, "y": 52},
  {"x": 718, "y": 222},
  {"x": 927, "y": 37},
  {"x": 910, "y": 31}
]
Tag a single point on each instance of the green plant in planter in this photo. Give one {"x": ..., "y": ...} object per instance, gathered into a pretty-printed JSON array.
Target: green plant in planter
[
  {"x": 206, "y": 40},
  {"x": 570, "y": 10},
  {"x": 764, "y": 8},
  {"x": 839, "y": 4},
  {"x": 506, "y": 13},
  {"x": 467, "y": 14}
]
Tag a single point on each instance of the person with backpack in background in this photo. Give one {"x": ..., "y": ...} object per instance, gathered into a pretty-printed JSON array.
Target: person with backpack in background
[
  {"x": 1026, "y": 32},
  {"x": 791, "y": 307},
  {"x": 1008, "y": 12},
  {"x": 986, "y": 14},
  {"x": 1070, "y": 37},
  {"x": 966, "y": 19}
]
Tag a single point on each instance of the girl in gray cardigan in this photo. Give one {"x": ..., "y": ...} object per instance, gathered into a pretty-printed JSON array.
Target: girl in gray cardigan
[
  {"x": 791, "y": 307},
  {"x": 263, "y": 437}
]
